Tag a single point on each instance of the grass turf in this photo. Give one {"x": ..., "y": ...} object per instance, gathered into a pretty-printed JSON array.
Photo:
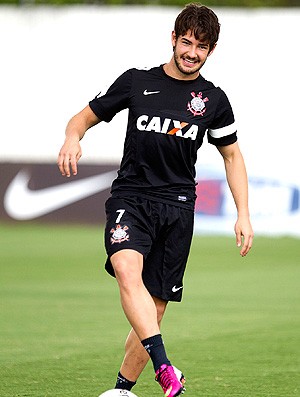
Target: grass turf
[{"x": 62, "y": 329}]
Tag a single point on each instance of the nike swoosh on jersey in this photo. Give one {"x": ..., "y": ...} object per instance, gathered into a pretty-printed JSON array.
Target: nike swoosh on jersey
[
  {"x": 22, "y": 203},
  {"x": 146, "y": 92}
]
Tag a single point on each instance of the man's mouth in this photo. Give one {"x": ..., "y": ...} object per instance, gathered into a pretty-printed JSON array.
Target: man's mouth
[{"x": 189, "y": 62}]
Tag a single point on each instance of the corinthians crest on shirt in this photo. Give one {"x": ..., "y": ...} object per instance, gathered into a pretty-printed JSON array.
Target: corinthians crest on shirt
[
  {"x": 197, "y": 104},
  {"x": 119, "y": 234}
]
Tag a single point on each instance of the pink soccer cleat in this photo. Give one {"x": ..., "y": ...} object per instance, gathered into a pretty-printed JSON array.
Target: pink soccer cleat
[{"x": 171, "y": 380}]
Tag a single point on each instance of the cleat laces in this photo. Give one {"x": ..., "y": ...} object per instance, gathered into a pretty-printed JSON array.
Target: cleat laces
[{"x": 168, "y": 381}]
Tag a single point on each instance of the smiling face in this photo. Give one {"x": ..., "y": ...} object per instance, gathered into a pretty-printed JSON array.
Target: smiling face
[
  {"x": 196, "y": 32},
  {"x": 189, "y": 56}
]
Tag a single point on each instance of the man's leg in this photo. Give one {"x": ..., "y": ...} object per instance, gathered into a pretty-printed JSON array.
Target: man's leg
[
  {"x": 136, "y": 357},
  {"x": 136, "y": 301},
  {"x": 141, "y": 312}
]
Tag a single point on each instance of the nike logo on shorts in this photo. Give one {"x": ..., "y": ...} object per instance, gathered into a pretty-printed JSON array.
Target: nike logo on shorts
[{"x": 176, "y": 289}]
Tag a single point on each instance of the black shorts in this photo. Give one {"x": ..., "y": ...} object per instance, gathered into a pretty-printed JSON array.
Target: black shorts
[{"x": 161, "y": 232}]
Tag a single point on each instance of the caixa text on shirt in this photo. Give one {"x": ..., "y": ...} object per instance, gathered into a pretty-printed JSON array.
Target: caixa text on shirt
[{"x": 167, "y": 126}]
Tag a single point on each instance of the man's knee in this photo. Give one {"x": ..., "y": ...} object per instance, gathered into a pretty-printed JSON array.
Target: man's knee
[{"x": 128, "y": 266}]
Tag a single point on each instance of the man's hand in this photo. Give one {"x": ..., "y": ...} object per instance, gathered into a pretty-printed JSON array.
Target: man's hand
[
  {"x": 70, "y": 152},
  {"x": 68, "y": 157},
  {"x": 244, "y": 235}
]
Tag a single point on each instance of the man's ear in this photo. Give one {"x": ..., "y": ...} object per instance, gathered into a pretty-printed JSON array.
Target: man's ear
[
  {"x": 173, "y": 38},
  {"x": 212, "y": 50}
]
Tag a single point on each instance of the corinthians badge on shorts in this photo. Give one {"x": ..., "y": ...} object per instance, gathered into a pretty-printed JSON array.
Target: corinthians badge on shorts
[
  {"x": 197, "y": 104},
  {"x": 119, "y": 234}
]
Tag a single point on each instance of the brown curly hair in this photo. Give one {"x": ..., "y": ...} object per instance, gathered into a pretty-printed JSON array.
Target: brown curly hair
[{"x": 201, "y": 21}]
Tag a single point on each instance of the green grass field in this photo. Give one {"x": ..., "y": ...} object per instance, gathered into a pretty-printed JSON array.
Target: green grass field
[{"x": 62, "y": 330}]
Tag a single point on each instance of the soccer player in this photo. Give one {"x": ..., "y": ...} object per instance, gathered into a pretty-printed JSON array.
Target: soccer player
[{"x": 151, "y": 209}]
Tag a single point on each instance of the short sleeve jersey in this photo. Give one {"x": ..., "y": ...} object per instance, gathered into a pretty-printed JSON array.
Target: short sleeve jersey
[{"x": 167, "y": 122}]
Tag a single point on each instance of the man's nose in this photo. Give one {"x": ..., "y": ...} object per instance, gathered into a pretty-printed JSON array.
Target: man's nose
[{"x": 192, "y": 51}]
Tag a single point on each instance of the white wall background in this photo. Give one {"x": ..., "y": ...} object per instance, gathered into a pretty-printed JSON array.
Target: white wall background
[{"x": 54, "y": 60}]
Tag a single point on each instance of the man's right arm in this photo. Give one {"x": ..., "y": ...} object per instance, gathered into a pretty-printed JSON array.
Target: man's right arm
[{"x": 70, "y": 152}]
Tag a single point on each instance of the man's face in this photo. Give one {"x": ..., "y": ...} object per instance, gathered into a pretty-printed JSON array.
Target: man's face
[{"x": 190, "y": 54}]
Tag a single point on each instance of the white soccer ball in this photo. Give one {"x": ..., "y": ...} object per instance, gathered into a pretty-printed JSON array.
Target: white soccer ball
[{"x": 117, "y": 393}]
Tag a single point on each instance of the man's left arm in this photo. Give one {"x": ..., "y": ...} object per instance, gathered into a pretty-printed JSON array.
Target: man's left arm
[{"x": 238, "y": 183}]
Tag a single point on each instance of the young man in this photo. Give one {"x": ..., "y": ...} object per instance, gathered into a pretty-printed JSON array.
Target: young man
[{"x": 151, "y": 209}]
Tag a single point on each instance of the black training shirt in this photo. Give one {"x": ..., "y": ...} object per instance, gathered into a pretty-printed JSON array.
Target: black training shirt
[{"x": 167, "y": 121}]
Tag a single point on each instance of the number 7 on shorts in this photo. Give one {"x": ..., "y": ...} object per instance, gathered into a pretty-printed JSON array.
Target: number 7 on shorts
[{"x": 121, "y": 213}]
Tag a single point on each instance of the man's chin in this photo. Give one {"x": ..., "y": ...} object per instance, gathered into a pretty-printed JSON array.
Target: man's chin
[{"x": 189, "y": 71}]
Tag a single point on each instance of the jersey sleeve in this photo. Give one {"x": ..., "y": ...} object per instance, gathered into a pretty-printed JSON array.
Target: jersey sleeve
[
  {"x": 116, "y": 98},
  {"x": 223, "y": 131}
]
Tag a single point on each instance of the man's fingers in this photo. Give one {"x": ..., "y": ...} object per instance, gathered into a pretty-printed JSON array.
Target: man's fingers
[
  {"x": 239, "y": 239},
  {"x": 60, "y": 163},
  {"x": 67, "y": 163},
  {"x": 246, "y": 245},
  {"x": 66, "y": 166},
  {"x": 73, "y": 163}
]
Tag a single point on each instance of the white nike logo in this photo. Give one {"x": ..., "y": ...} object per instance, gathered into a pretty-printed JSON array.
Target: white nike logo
[
  {"x": 146, "y": 92},
  {"x": 176, "y": 289},
  {"x": 21, "y": 203}
]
